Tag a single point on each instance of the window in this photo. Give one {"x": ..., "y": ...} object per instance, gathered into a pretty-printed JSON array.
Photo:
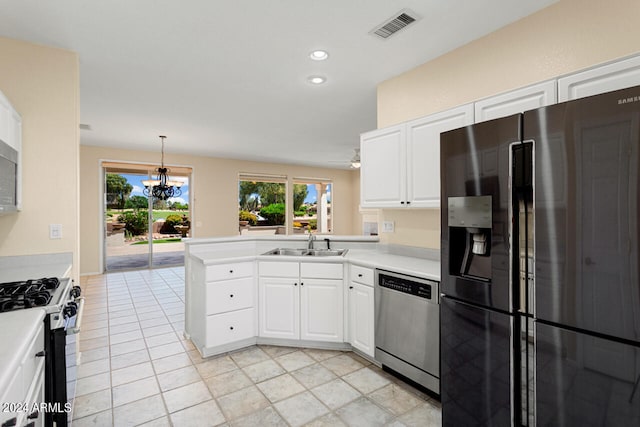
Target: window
[
  {"x": 312, "y": 205},
  {"x": 273, "y": 204},
  {"x": 262, "y": 204}
]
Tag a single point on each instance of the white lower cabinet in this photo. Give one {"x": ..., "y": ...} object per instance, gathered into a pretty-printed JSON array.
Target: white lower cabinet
[
  {"x": 321, "y": 310},
  {"x": 279, "y": 307},
  {"x": 22, "y": 385},
  {"x": 229, "y": 327},
  {"x": 299, "y": 305},
  {"x": 361, "y": 310},
  {"x": 223, "y": 306}
]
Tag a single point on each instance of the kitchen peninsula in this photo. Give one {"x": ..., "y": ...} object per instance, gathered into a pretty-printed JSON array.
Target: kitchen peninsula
[{"x": 238, "y": 295}]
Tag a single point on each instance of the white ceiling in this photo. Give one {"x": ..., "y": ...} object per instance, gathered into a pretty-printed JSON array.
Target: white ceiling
[{"x": 229, "y": 78}]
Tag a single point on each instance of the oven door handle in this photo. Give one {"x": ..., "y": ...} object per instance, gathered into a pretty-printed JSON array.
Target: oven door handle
[{"x": 78, "y": 324}]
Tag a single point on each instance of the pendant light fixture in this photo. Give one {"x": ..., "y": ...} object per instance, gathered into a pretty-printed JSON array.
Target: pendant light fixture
[{"x": 162, "y": 187}]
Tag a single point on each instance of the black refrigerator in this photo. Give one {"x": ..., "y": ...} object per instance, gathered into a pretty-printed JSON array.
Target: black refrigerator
[{"x": 540, "y": 307}]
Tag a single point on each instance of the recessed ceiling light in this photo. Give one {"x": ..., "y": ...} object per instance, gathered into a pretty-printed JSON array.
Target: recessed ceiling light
[
  {"x": 319, "y": 55},
  {"x": 317, "y": 80}
]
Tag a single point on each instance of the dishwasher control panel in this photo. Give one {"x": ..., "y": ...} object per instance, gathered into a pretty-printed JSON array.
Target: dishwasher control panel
[{"x": 418, "y": 287}]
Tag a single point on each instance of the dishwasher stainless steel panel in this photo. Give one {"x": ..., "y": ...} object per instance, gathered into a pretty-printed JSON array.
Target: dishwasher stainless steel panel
[{"x": 407, "y": 327}]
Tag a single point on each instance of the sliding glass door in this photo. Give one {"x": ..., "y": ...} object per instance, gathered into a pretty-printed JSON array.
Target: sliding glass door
[{"x": 142, "y": 231}]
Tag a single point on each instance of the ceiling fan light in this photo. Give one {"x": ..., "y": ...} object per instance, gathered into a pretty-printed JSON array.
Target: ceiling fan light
[{"x": 355, "y": 161}]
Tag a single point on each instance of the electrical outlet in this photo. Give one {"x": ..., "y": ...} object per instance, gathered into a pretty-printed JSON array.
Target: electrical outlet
[
  {"x": 388, "y": 226},
  {"x": 55, "y": 231}
]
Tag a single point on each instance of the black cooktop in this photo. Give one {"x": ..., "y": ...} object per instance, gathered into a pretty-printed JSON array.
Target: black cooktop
[{"x": 27, "y": 294}]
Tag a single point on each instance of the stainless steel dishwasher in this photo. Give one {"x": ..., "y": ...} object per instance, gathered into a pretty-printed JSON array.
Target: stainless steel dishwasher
[{"x": 407, "y": 327}]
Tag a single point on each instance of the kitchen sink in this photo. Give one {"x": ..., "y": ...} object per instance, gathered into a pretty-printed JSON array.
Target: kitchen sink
[
  {"x": 306, "y": 252},
  {"x": 287, "y": 251},
  {"x": 326, "y": 252}
]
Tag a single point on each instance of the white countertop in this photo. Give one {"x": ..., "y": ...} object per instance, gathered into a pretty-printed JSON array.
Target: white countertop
[
  {"x": 34, "y": 272},
  {"x": 17, "y": 329},
  {"x": 413, "y": 266},
  {"x": 281, "y": 238},
  {"x": 17, "y": 268},
  {"x": 372, "y": 258}
]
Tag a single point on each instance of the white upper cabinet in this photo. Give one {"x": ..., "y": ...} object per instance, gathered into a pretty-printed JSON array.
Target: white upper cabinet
[
  {"x": 423, "y": 154},
  {"x": 606, "y": 78},
  {"x": 383, "y": 160},
  {"x": 401, "y": 164},
  {"x": 516, "y": 101},
  {"x": 11, "y": 134}
]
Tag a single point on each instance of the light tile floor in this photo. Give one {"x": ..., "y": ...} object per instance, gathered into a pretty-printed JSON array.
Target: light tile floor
[{"x": 137, "y": 369}]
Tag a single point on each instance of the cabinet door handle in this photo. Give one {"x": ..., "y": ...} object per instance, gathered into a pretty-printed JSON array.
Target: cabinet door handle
[
  {"x": 231, "y": 328},
  {"x": 41, "y": 353},
  {"x": 231, "y": 271},
  {"x": 360, "y": 275},
  {"x": 402, "y": 202},
  {"x": 301, "y": 284},
  {"x": 231, "y": 296},
  {"x": 350, "y": 287},
  {"x": 408, "y": 202}
]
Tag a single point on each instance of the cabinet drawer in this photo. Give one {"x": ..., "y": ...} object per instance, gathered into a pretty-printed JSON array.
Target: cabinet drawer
[
  {"x": 230, "y": 327},
  {"x": 13, "y": 394},
  {"x": 278, "y": 269},
  {"x": 362, "y": 275},
  {"x": 229, "y": 271},
  {"x": 321, "y": 271},
  {"x": 35, "y": 395},
  {"x": 31, "y": 362},
  {"x": 230, "y": 295}
]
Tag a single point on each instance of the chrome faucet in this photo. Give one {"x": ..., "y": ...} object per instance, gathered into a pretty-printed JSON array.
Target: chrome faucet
[{"x": 312, "y": 237}]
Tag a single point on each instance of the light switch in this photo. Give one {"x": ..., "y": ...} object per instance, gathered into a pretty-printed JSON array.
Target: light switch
[
  {"x": 388, "y": 226},
  {"x": 55, "y": 231}
]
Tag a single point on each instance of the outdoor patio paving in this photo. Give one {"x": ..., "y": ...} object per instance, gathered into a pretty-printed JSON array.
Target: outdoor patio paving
[
  {"x": 130, "y": 262},
  {"x": 130, "y": 257}
]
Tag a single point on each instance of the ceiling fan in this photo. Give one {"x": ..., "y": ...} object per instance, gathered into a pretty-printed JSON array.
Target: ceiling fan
[{"x": 354, "y": 163}]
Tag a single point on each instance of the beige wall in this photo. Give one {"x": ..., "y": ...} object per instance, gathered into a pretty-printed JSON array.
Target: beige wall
[
  {"x": 214, "y": 192},
  {"x": 42, "y": 84},
  {"x": 565, "y": 37}
]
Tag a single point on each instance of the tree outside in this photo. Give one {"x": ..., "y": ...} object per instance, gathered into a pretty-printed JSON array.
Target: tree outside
[
  {"x": 118, "y": 190},
  {"x": 264, "y": 200},
  {"x": 263, "y": 204},
  {"x": 137, "y": 202},
  {"x": 132, "y": 210}
]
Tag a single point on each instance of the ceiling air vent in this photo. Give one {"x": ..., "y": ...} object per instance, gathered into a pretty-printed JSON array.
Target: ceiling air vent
[{"x": 394, "y": 24}]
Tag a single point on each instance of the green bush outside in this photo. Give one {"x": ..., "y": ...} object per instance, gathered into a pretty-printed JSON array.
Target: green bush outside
[
  {"x": 169, "y": 224},
  {"x": 136, "y": 223},
  {"x": 247, "y": 216},
  {"x": 301, "y": 212},
  {"x": 274, "y": 213}
]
